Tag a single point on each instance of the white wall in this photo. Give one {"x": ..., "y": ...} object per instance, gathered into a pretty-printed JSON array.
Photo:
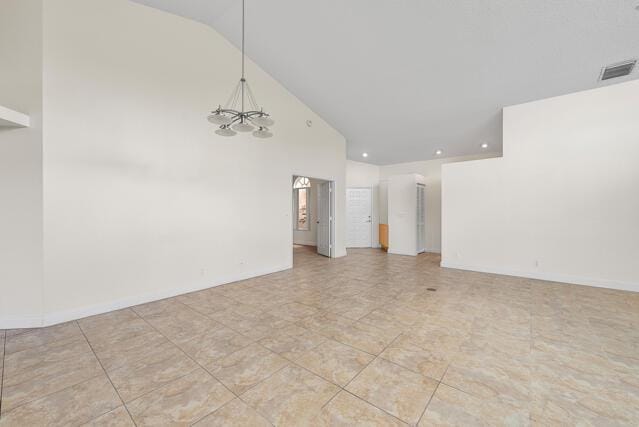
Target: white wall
[
  {"x": 308, "y": 237},
  {"x": 402, "y": 213},
  {"x": 21, "y": 163},
  {"x": 563, "y": 202},
  {"x": 431, "y": 171},
  {"x": 141, "y": 199},
  {"x": 360, "y": 174}
]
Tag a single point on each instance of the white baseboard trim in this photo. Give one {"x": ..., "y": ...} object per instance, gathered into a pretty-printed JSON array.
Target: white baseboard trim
[
  {"x": 305, "y": 243},
  {"x": 79, "y": 313},
  {"x": 18, "y": 322},
  {"x": 390, "y": 251},
  {"x": 547, "y": 276}
]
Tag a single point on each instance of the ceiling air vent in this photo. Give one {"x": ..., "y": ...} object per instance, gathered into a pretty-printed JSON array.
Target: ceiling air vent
[{"x": 617, "y": 70}]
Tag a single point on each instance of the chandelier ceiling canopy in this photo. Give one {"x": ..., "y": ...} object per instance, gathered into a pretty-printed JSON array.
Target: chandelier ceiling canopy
[{"x": 241, "y": 112}]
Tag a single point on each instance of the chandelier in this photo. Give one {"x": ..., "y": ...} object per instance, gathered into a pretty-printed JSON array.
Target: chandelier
[{"x": 241, "y": 113}]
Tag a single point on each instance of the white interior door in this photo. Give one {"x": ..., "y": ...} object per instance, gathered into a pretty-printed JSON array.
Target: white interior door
[
  {"x": 421, "y": 219},
  {"x": 359, "y": 218},
  {"x": 324, "y": 219}
]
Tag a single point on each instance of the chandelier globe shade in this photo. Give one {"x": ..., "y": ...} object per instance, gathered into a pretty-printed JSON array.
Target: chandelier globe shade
[
  {"x": 243, "y": 126},
  {"x": 262, "y": 133},
  {"x": 219, "y": 118},
  {"x": 225, "y": 131},
  {"x": 263, "y": 121},
  {"x": 241, "y": 112}
]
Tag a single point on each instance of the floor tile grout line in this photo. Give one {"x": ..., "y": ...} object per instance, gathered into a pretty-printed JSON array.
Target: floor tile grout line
[
  {"x": 431, "y": 397},
  {"x": 359, "y": 373},
  {"x": 4, "y": 355},
  {"x": 186, "y": 354},
  {"x": 375, "y": 406},
  {"x": 290, "y": 364},
  {"x": 53, "y": 392},
  {"x": 105, "y": 373},
  {"x": 50, "y": 393},
  {"x": 486, "y": 303},
  {"x": 222, "y": 406},
  {"x": 259, "y": 343}
]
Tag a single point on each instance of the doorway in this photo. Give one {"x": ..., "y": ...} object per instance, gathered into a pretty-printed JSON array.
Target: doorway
[
  {"x": 359, "y": 214},
  {"x": 421, "y": 218},
  {"x": 313, "y": 214}
]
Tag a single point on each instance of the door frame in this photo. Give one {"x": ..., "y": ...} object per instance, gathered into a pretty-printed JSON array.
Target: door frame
[
  {"x": 372, "y": 231},
  {"x": 331, "y": 237}
]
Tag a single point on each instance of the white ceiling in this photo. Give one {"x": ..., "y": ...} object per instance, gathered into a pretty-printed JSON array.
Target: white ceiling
[{"x": 401, "y": 79}]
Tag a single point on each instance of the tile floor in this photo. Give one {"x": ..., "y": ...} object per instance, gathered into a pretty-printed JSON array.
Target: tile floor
[{"x": 359, "y": 340}]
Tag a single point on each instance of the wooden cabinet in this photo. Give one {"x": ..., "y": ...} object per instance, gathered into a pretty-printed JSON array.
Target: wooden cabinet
[{"x": 383, "y": 236}]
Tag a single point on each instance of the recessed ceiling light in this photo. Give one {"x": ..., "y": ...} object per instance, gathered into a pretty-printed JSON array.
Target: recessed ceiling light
[
  {"x": 364, "y": 154},
  {"x": 438, "y": 152},
  {"x": 484, "y": 145}
]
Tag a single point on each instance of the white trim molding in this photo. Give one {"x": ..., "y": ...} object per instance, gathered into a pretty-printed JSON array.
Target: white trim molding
[
  {"x": 55, "y": 318},
  {"x": 547, "y": 276},
  {"x": 12, "y": 118}
]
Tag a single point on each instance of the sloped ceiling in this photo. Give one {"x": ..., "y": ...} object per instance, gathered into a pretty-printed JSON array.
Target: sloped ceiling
[{"x": 401, "y": 79}]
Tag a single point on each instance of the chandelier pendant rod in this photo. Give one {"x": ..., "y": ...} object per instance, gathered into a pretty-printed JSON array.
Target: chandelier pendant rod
[
  {"x": 243, "y": 80},
  {"x": 229, "y": 119}
]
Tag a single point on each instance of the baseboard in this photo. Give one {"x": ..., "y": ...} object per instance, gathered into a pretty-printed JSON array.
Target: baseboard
[
  {"x": 547, "y": 276},
  {"x": 390, "y": 251},
  {"x": 305, "y": 243},
  {"x": 19, "y": 322},
  {"x": 79, "y": 313}
]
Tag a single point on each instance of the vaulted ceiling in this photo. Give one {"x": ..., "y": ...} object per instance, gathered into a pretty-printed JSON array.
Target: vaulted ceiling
[{"x": 402, "y": 79}]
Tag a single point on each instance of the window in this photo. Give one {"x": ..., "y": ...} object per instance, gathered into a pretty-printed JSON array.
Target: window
[{"x": 302, "y": 197}]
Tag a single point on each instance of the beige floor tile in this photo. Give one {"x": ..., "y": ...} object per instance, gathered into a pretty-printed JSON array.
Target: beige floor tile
[
  {"x": 71, "y": 406},
  {"x": 571, "y": 384},
  {"x": 168, "y": 305},
  {"x": 364, "y": 337},
  {"x": 37, "y": 337},
  {"x": 324, "y": 323},
  {"x": 235, "y": 413},
  {"x": 2, "y": 338},
  {"x": 14, "y": 332},
  {"x": 46, "y": 356},
  {"x": 398, "y": 391},
  {"x": 292, "y": 346},
  {"x": 290, "y": 397},
  {"x": 118, "y": 417},
  {"x": 160, "y": 367},
  {"x": 346, "y": 410},
  {"x": 103, "y": 336},
  {"x": 260, "y": 326},
  {"x": 335, "y": 362},
  {"x": 392, "y": 317},
  {"x": 209, "y": 348},
  {"x": 205, "y": 302},
  {"x": 247, "y": 367},
  {"x": 566, "y": 353},
  {"x": 38, "y": 371},
  {"x": 294, "y": 311},
  {"x": 108, "y": 321},
  {"x": 182, "y": 324},
  {"x": 130, "y": 350},
  {"x": 418, "y": 357},
  {"x": 489, "y": 376},
  {"x": 181, "y": 402},
  {"x": 452, "y": 407}
]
